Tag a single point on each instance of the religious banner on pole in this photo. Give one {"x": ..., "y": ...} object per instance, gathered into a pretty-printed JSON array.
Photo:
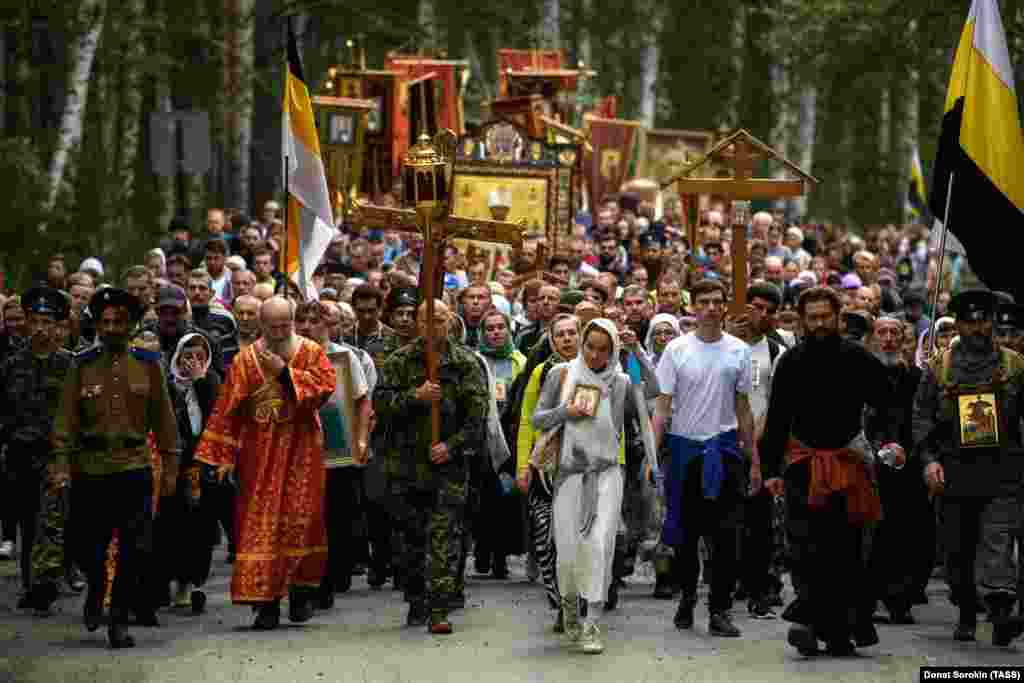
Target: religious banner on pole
[
  {"x": 512, "y": 60},
  {"x": 613, "y": 142}
]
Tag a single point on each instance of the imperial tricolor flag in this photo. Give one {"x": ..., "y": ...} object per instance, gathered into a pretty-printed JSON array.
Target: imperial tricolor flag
[
  {"x": 982, "y": 148},
  {"x": 310, "y": 221},
  {"x": 916, "y": 202}
]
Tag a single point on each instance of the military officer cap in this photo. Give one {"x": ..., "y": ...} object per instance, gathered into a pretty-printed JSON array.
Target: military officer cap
[
  {"x": 973, "y": 305},
  {"x": 113, "y": 296},
  {"x": 46, "y": 301},
  {"x": 402, "y": 296}
]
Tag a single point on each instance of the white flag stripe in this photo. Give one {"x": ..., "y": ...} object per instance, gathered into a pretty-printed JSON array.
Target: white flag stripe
[
  {"x": 990, "y": 39},
  {"x": 307, "y": 181}
]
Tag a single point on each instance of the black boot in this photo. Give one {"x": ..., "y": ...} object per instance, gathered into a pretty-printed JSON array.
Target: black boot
[
  {"x": 968, "y": 619},
  {"x": 500, "y": 568},
  {"x": 42, "y": 597},
  {"x": 663, "y": 587},
  {"x": 1005, "y": 626},
  {"x": 804, "y": 639},
  {"x": 198, "y": 602},
  {"x": 612, "y": 601},
  {"x": 377, "y": 577},
  {"x": 268, "y": 616},
  {"x": 720, "y": 624},
  {"x": 684, "y": 614},
  {"x": 300, "y": 605},
  {"x": 93, "y": 612},
  {"x": 418, "y": 613},
  {"x": 116, "y": 635}
]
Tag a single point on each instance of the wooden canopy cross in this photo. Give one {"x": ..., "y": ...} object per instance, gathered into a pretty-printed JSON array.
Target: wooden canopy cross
[
  {"x": 741, "y": 151},
  {"x": 435, "y": 233}
]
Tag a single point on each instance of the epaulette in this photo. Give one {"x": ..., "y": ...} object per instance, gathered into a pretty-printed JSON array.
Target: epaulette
[
  {"x": 88, "y": 354},
  {"x": 146, "y": 356}
]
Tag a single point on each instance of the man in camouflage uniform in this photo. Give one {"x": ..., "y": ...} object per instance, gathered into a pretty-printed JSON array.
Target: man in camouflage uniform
[
  {"x": 977, "y": 469},
  {"x": 428, "y": 483},
  {"x": 111, "y": 400},
  {"x": 30, "y": 384}
]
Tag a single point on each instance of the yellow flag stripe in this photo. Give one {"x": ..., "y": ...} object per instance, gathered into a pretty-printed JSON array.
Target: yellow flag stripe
[
  {"x": 299, "y": 110},
  {"x": 990, "y": 131}
]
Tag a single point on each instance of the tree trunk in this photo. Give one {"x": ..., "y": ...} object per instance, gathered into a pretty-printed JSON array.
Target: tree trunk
[
  {"x": 3, "y": 83},
  {"x": 548, "y": 31},
  {"x": 166, "y": 186},
  {"x": 804, "y": 135},
  {"x": 782, "y": 122},
  {"x": 427, "y": 15},
  {"x": 737, "y": 51},
  {"x": 586, "y": 50},
  {"x": 654, "y": 16},
  {"x": 130, "y": 114},
  {"x": 238, "y": 88},
  {"x": 885, "y": 120},
  {"x": 92, "y": 14}
]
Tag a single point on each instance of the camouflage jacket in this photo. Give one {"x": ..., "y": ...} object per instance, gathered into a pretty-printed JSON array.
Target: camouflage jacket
[
  {"x": 403, "y": 422},
  {"x": 380, "y": 348},
  {"x": 30, "y": 389}
]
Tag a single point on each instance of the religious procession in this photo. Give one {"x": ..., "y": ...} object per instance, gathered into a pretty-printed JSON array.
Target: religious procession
[{"x": 418, "y": 343}]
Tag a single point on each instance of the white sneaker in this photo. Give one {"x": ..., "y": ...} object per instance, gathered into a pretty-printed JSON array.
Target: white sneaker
[
  {"x": 6, "y": 550},
  {"x": 590, "y": 641},
  {"x": 571, "y": 620}
]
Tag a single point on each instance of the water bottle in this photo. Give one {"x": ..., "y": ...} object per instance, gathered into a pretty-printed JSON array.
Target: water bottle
[{"x": 887, "y": 455}]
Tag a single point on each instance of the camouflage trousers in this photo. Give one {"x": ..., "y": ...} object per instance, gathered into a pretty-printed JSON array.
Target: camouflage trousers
[
  {"x": 48, "y": 565},
  {"x": 428, "y": 526}
]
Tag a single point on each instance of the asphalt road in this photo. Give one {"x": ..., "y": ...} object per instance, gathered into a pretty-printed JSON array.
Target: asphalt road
[{"x": 502, "y": 635}]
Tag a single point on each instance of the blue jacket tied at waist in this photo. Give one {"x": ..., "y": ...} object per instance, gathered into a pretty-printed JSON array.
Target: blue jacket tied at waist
[{"x": 682, "y": 452}]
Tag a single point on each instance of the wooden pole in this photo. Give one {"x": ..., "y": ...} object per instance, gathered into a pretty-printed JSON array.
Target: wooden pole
[
  {"x": 739, "y": 255},
  {"x": 427, "y": 278}
]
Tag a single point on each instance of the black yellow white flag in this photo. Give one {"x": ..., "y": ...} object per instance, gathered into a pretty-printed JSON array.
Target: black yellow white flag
[
  {"x": 310, "y": 220},
  {"x": 982, "y": 148}
]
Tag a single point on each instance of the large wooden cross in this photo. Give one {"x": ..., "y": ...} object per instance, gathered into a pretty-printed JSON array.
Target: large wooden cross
[
  {"x": 741, "y": 150},
  {"x": 454, "y": 227}
]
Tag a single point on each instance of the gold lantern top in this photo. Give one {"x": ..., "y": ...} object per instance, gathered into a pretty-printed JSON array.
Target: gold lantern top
[{"x": 427, "y": 170}]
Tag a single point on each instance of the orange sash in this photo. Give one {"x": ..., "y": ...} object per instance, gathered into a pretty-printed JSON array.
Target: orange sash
[{"x": 843, "y": 471}]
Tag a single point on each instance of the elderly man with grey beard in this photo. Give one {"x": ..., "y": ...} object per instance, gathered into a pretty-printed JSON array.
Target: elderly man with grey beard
[{"x": 903, "y": 550}]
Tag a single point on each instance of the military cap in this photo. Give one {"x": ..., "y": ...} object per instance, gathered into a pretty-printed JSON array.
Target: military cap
[
  {"x": 856, "y": 324},
  {"x": 570, "y": 298},
  {"x": 973, "y": 305},
  {"x": 113, "y": 296},
  {"x": 402, "y": 296},
  {"x": 171, "y": 295},
  {"x": 1010, "y": 315},
  {"x": 46, "y": 301}
]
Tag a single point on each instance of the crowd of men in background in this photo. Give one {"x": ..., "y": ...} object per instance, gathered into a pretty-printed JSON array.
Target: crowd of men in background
[{"x": 205, "y": 287}]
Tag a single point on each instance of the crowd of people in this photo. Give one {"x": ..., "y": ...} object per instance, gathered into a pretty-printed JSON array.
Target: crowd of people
[{"x": 838, "y": 440}]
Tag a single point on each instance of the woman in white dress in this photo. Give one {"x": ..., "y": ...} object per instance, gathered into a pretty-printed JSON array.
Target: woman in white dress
[{"x": 588, "y": 483}]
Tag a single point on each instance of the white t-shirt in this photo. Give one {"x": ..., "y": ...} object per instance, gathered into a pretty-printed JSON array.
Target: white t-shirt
[
  {"x": 703, "y": 380},
  {"x": 762, "y": 369}
]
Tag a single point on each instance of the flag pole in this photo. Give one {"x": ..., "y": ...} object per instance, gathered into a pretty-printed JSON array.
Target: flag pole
[
  {"x": 287, "y": 234},
  {"x": 932, "y": 340}
]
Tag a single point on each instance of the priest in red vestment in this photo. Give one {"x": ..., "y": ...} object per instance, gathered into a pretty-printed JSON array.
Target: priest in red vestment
[{"x": 266, "y": 428}]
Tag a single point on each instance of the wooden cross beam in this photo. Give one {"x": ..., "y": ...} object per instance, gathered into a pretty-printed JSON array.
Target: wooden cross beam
[
  {"x": 741, "y": 154},
  {"x": 435, "y": 233}
]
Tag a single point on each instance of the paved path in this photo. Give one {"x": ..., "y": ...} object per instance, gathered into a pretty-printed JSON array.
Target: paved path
[{"x": 502, "y": 635}]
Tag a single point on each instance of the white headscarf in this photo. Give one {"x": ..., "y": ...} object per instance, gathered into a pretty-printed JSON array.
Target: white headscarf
[
  {"x": 187, "y": 384},
  {"x": 655, "y": 321}
]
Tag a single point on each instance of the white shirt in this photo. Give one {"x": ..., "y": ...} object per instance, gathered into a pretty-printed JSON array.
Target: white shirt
[
  {"x": 222, "y": 286},
  {"x": 703, "y": 380},
  {"x": 762, "y": 368}
]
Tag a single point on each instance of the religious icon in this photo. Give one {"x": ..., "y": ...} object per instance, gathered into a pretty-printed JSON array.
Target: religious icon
[
  {"x": 586, "y": 398},
  {"x": 536, "y": 151},
  {"x": 611, "y": 159},
  {"x": 375, "y": 117},
  {"x": 979, "y": 420},
  {"x": 499, "y": 392},
  {"x": 340, "y": 130}
]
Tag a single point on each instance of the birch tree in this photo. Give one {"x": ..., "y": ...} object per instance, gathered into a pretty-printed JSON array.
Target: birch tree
[
  {"x": 548, "y": 31},
  {"x": 130, "y": 110},
  {"x": 238, "y": 88},
  {"x": 91, "y": 17},
  {"x": 653, "y": 13}
]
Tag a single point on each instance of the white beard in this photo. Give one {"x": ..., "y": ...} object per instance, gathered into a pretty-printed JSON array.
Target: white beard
[
  {"x": 284, "y": 349},
  {"x": 889, "y": 359}
]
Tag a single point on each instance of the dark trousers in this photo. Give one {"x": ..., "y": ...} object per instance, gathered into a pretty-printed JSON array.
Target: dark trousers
[
  {"x": 25, "y": 499},
  {"x": 714, "y": 521},
  {"x": 100, "y": 504},
  {"x": 342, "y": 504},
  {"x": 182, "y": 550},
  {"x": 378, "y": 517},
  {"x": 903, "y": 546},
  {"x": 757, "y": 544},
  {"x": 833, "y": 595},
  {"x": 221, "y": 503}
]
